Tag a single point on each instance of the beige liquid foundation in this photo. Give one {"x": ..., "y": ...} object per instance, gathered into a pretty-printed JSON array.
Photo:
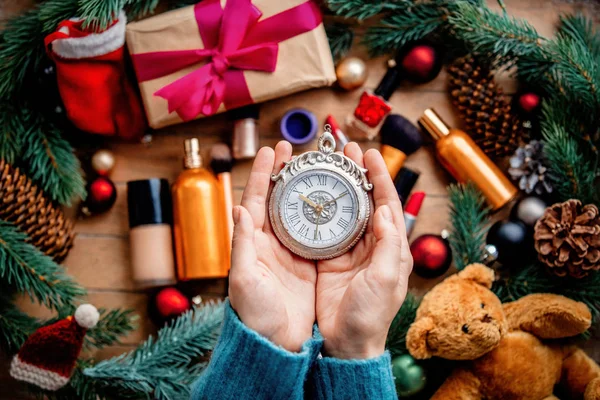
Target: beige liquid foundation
[{"x": 150, "y": 234}]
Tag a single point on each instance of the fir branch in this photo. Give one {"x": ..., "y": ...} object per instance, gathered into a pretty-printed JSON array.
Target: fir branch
[
  {"x": 340, "y": 38},
  {"x": 28, "y": 270},
  {"x": 15, "y": 325},
  {"x": 110, "y": 327},
  {"x": 396, "y": 339},
  {"x": 495, "y": 35},
  {"x": 162, "y": 367},
  {"x": 413, "y": 22},
  {"x": 581, "y": 29},
  {"x": 181, "y": 3},
  {"x": 364, "y": 9},
  {"x": 469, "y": 217},
  {"x": 140, "y": 8},
  {"x": 99, "y": 14},
  {"x": 571, "y": 173},
  {"x": 47, "y": 158}
]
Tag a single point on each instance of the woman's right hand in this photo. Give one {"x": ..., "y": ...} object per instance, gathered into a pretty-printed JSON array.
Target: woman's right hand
[{"x": 271, "y": 289}]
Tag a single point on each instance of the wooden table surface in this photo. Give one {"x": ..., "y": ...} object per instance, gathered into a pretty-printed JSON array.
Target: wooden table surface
[{"x": 100, "y": 257}]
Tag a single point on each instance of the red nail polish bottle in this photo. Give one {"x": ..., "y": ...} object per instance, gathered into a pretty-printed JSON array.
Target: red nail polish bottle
[{"x": 373, "y": 107}]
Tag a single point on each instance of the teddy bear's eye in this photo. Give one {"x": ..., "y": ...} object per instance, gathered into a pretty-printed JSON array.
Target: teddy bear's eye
[
  {"x": 465, "y": 328},
  {"x": 482, "y": 305}
]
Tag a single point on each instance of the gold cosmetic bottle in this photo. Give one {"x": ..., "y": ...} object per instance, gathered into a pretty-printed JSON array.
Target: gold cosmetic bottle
[
  {"x": 465, "y": 161},
  {"x": 201, "y": 242}
]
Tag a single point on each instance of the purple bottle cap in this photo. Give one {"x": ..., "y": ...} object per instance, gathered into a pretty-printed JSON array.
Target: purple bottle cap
[{"x": 299, "y": 126}]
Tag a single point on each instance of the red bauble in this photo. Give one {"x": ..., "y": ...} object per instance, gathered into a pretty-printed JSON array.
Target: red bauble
[
  {"x": 529, "y": 102},
  {"x": 432, "y": 256},
  {"x": 421, "y": 63},
  {"x": 102, "y": 194},
  {"x": 170, "y": 302}
]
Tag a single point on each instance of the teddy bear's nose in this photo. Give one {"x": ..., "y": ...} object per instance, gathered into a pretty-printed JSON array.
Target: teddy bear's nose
[{"x": 486, "y": 319}]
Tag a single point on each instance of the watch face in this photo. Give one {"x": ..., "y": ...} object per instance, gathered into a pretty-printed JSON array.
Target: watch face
[{"x": 319, "y": 209}]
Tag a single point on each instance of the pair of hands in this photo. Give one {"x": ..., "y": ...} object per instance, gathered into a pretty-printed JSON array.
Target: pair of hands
[{"x": 353, "y": 297}]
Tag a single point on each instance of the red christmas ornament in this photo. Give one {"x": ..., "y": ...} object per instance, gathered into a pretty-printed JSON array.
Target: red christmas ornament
[
  {"x": 421, "y": 63},
  {"x": 102, "y": 195},
  {"x": 432, "y": 256},
  {"x": 170, "y": 302},
  {"x": 529, "y": 102}
]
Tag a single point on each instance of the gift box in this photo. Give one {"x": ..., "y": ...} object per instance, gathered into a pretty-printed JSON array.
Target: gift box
[{"x": 218, "y": 55}]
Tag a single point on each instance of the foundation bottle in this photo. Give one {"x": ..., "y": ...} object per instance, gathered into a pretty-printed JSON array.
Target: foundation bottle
[
  {"x": 465, "y": 161},
  {"x": 202, "y": 246},
  {"x": 150, "y": 234}
]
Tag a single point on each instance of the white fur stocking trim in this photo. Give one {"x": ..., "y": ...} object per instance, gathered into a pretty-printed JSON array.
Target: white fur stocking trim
[
  {"x": 43, "y": 378},
  {"x": 93, "y": 45}
]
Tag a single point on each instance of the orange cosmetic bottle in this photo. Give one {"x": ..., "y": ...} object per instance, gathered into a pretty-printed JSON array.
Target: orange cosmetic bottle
[
  {"x": 465, "y": 161},
  {"x": 202, "y": 245}
]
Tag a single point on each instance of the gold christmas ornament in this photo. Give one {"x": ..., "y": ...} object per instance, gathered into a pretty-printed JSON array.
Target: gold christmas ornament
[
  {"x": 103, "y": 161},
  {"x": 351, "y": 73}
]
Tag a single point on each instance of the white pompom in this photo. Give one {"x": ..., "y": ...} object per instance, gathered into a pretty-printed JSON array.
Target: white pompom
[{"x": 87, "y": 316}]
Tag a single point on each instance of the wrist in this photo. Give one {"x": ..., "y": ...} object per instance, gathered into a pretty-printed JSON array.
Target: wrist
[{"x": 357, "y": 351}]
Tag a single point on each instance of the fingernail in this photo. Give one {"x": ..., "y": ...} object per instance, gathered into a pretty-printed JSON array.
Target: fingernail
[
  {"x": 386, "y": 213},
  {"x": 236, "y": 214}
]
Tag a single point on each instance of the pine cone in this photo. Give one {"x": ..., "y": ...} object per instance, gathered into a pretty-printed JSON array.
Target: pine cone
[
  {"x": 567, "y": 238},
  {"x": 527, "y": 166},
  {"x": 26, "y": 206},
  {"x": 485, "y": 110}
]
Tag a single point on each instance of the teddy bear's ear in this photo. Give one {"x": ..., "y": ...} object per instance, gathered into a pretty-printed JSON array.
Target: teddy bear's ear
[
  {"x": 416, "y": 338},
  {"x": 478, "y": 273}
]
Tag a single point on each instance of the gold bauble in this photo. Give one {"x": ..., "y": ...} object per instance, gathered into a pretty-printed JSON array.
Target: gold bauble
[
  {"x": 103, "y": 161},
  {"x": 351, "y": 73}
]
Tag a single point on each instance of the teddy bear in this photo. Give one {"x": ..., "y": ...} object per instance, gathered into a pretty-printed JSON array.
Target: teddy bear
[{"x": 508, "y": 351}]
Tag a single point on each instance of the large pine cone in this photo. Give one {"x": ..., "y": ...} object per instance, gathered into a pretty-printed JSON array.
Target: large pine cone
[
  {"x": 485, "y": 110},
  {"x": 26, "y": 206},
  {"x": 567, "y": 238}
]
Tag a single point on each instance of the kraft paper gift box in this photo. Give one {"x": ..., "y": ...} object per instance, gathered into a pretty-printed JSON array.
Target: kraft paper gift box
[{"x": 218, "y": 55}]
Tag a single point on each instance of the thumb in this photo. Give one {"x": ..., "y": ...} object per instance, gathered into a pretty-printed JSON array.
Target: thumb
[
  {"x": 243, "y": 252},
  {"x": 387, "y": 255}
]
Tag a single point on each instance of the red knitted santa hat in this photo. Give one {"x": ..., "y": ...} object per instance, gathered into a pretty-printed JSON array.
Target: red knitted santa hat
[{"x": 48, "y": 356}]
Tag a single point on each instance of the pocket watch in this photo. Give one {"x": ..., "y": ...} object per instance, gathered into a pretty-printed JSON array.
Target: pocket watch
[{"x": 320, "y": 204}]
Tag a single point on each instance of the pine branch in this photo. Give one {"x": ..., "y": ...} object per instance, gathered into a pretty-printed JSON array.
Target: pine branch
[
  {"x": 15, "y": 325},
  {"x": 581, "y": 29},
  {"x": 99, "y": 14},
  {"x": 571, "y": 173},
  {"x": 494, "y": 35},
  {"x": 174, "y": 4},
  {"x": 110, "y": 327},
  {"x": 469, "y": 217},
  {"x": 413, "y": 22},
  {"x": 364, "y": 9},
  {"x": 48, "y": 159},
  {"x": 28, "y": 270},
  {"x": 162, "y": 367},
  {"x": 396, "y": 339},
  {"x": 140, "y": 8},
  {"x": 340, "y": 38}
]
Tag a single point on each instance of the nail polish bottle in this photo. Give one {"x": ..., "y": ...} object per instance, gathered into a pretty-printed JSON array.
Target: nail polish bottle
[
  {"x": 244, "y": 141},
  {"x": 373, "y": 107},
  {"x": 202, "y": 245},
  {"x": 465, "y": 161}
]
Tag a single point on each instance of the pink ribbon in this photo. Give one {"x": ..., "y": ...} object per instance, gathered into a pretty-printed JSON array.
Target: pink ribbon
[{"x": 234, "y": 40}]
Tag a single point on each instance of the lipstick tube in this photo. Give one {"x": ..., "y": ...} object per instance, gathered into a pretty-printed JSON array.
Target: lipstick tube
[
  {"x": 465, "y": 161},
  {"x": 341, "y": 139},
  {"x": 373, "y": 107},
  {"x": 411, "y": 211}
]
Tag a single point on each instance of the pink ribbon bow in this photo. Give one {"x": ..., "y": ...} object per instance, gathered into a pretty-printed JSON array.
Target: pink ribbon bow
[{"x": 234, "y": 40}]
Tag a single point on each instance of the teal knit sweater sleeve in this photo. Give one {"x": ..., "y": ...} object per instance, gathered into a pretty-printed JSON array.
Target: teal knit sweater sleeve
[
  {"x": 245, "y": 365},
  {"x": 335, "y": 379}
]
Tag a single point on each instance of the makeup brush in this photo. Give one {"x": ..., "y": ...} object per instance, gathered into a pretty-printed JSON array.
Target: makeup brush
[
  {"x": 221, "y": 163},
  {"x": 399, "y": 139}
]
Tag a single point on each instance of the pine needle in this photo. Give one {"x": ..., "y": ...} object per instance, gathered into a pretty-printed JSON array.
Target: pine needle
[
  {"x": 396, "y": 339},
  {"x": 469, "y": 218},
  {"x": 340, "y": 38}
]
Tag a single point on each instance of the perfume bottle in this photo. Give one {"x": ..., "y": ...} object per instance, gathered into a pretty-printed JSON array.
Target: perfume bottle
[
  {"x": 202, "y": 245},
  {"x": 465, "y": 161},
  {"x": 373, "y": 107}
]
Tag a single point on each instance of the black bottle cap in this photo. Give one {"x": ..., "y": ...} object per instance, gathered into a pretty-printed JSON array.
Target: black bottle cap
[
  {"x": 149, "y": 202},
  {"x": 249, "y": 111},
  {"x": 405, "y": 181},
  {"x": 390, "y": 81}
]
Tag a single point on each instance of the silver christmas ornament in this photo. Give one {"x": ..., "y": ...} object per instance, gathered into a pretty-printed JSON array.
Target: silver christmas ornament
[{"x": 529, "y": 210}]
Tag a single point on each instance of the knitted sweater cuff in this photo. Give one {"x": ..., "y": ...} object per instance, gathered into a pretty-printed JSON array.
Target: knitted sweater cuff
[
  {"x": 246, "y": 365},
  {"x": 333, "y": 378}
]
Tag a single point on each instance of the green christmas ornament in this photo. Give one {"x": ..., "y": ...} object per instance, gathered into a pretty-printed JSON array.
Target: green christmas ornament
[{"x": 409, "y": 376}]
